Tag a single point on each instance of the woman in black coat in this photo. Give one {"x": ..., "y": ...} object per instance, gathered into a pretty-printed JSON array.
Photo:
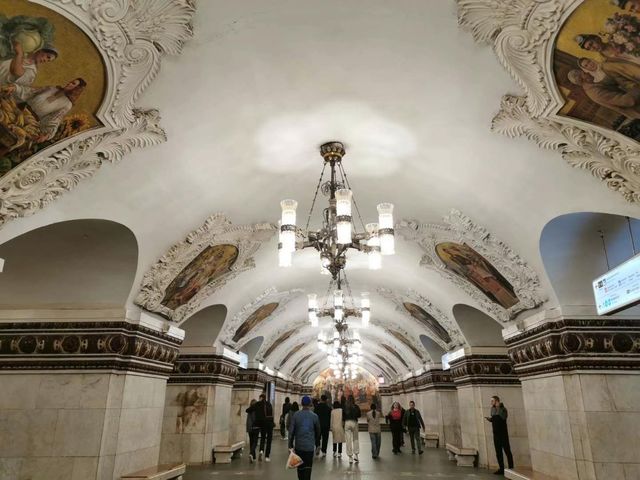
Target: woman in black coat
[{"x": 394, "y": 418}]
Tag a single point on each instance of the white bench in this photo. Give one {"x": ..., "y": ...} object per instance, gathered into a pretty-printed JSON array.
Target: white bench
[
  {"x": 430, "y": 439},
  {"x": 224, "y": 453},
  {"x": 466, "y": 457},
  {"x": 525, "y": 474},
  {"x": 173, "y": 471}
]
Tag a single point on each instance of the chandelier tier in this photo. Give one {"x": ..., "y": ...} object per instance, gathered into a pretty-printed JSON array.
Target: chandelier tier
[
  {"x": 338, "y": 232},
  {"x": 344, "y": 350}
]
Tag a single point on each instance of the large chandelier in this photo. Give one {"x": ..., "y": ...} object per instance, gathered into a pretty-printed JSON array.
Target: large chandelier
[{"x": 338, "y": 232}]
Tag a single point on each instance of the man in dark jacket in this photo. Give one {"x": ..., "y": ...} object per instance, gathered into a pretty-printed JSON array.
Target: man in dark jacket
[
  {"x": 323, "y": 410},
  {"x": 498, "y": 418},
  {"x": 412, "y": 421},
  {"x": 264, "y": 420},
  {"x": 304, "y": 437},
  {"x": 285, "y": 409}
]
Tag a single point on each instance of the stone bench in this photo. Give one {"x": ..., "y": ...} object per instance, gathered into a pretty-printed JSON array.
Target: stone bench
[
  {"x": 466, "y": 457},
  {"x": 525, "y": 474},
  {"x": 430, "y": 439},
  {"x": 224, "y": 453},
  {"x": 173, "y": 471}
]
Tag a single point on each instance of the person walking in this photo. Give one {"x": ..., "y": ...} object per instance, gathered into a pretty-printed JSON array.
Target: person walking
[
  {"x": 283, "y": 417},
  {"x": 337, "y": 429},
  {"x": 394, "y": 417},
  {"x": 253, "y": 430},
  {"x": 323, "y": 410},
  {"x": 498, "y": 418},
  {"x": 264, "y": 420},
  {"x": 293, "y": 408},
  {"x": 351, "y": 414},
  {"x": 412, "y": 421},
  {"x": 304, "y": 437},
  {"x": 373, "y": 426}
]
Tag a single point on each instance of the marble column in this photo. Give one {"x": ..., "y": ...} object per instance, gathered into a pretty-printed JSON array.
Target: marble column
[
  {"x": 581, "y": 384},
  {"x": 197, "y": 414},
  {"x": 478, "y": 375},
  {"x": 249, "y": 384},
  {"x": 82, "y": 392},
  {"x": 436, "y": 398}
]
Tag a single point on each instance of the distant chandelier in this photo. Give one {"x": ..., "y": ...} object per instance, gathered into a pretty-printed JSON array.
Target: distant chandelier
[{"x": 344, "y": 351}]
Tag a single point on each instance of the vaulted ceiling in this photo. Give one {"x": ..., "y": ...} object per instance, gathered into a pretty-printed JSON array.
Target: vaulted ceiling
[{"x": 245, "y": 106}]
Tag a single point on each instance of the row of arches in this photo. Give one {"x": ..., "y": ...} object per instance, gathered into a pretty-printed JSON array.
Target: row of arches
[{"x": 94, "y": 262}]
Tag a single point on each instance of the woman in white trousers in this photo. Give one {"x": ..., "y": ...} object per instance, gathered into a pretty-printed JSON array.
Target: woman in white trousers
[{"x": 350, "y": 414}]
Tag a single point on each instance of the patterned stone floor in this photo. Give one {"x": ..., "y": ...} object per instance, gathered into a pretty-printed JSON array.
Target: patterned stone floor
[{"x": 433, "y": 464}]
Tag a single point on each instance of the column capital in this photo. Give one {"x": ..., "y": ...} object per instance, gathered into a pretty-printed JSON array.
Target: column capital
[
  {"x": 204, "y": 369},
  {"x": 483, "y": 369},
  {"x": 570, "y": 344}
]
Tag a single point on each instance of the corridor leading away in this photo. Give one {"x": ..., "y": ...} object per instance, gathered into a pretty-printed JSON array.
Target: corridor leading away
[{"x": 432, "y": 464}]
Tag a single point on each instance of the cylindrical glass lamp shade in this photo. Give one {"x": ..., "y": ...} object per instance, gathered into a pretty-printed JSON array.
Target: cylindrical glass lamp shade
[
  {"x": 284, "y": 257},
  {"x": 313, "y": 301},
  {"x": 385, "y": 228},
  {"x": 366, "y": 309},
  {"x": 288, "y": 240},
  {"x": 288, "y": 211},
  {"x": 343, "y": 201},
  {"x": 314, "y": 320},
  {"x": 343, "y": 232},
  {"x": 373, "y": 242},
  {"x": 337, "y": 298},
  {"x": 385, "y": 215},
  {"x": 387, "y": 244}
]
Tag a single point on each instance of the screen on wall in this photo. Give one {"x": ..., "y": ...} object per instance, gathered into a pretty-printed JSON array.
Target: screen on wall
[{"x": 619, "y": 288}]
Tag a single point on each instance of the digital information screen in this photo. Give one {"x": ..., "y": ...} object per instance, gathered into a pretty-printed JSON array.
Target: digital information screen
[{"x": 618, "y": 288}]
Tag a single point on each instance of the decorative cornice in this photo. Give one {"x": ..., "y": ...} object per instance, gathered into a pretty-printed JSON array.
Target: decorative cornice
[
  {"x": 217, "y": 230},
  {"x": 251, "y": 379},
  {"x": 521, "y": 33},
  {"x": 398, "y": 299},
  {"x": 483, "y": 370},
  {"x": 107, "y": 346},
  {"x": 133, "y": 38},
  {"x": 576, "y": 345},
  {"x": 459, "y": 228},
  {"x": 204, "y": 369}
]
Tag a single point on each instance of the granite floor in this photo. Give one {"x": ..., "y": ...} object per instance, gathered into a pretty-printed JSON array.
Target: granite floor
[{"x": 432, "y": 464}]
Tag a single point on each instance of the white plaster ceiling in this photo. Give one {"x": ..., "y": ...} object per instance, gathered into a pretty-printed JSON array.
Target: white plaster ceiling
[{"x": 265, "y": 82}]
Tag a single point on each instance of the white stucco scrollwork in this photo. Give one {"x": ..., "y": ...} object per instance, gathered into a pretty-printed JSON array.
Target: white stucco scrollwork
[
  {"x": 133, "y": 37},
  {"x": 522, "y": 34},
  {"x": 459, "y": 228},
  {"x": 217, "y": 230}
]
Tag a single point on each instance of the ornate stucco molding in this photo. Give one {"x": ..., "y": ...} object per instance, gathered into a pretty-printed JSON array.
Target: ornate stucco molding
[
  {"x": 104, "y": 346},
  {"x": 270, "y": 295},
  {"x": 574, "y": 345},
  {"x": 217, "y": 230},
  {"x": 483, "y": 370},
  {"x": 271, "y": 347},
  {"x": 133, "y": 37},
  {"x": 461, "y": 229},
  {"x": 522, "y": 33},
  {"x": 204, "y": 369},
  {"x": 398, "y": 299}
]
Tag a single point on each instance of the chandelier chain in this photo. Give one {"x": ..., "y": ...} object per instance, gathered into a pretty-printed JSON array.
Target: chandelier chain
[
  {"x": 349, "y": 294},
  {"x": 315, "y": 196},
  {"x": 355, "y": 204}
]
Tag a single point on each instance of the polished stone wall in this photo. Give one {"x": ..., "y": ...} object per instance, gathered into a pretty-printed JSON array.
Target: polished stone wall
[{"x": 78, "y": 426}]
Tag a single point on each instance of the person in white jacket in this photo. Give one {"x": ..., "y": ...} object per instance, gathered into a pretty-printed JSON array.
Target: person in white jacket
[{"x": 337, "y": 429}]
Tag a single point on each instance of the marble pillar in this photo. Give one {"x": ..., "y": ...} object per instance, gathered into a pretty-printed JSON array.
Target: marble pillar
[
  {"x": 82, "y": 393},
  {"x": 478, "y": 375},
  {"x": 197, "y": 414},
  {"x": 249, "y": 384},
  {"x": 581, "y": 384}
]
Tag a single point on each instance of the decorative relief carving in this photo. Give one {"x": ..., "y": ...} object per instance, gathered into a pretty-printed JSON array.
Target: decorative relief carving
[
  {"x": 86, "y": 345},
  {"x": 217, "y": 230},
  {"x": 441, "y": 318},
  {"x": 461, "y": 229},
  {"x": 270, "y": 295},
  {"x": 133, "y": 36},
  {"x": 483, "y": 370},
  {"x": 204, "y": 369},
  {"x": 429, "y": 380},
  {"x": 570, "y": 345},
  {"x": 521, "y": 33}
]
